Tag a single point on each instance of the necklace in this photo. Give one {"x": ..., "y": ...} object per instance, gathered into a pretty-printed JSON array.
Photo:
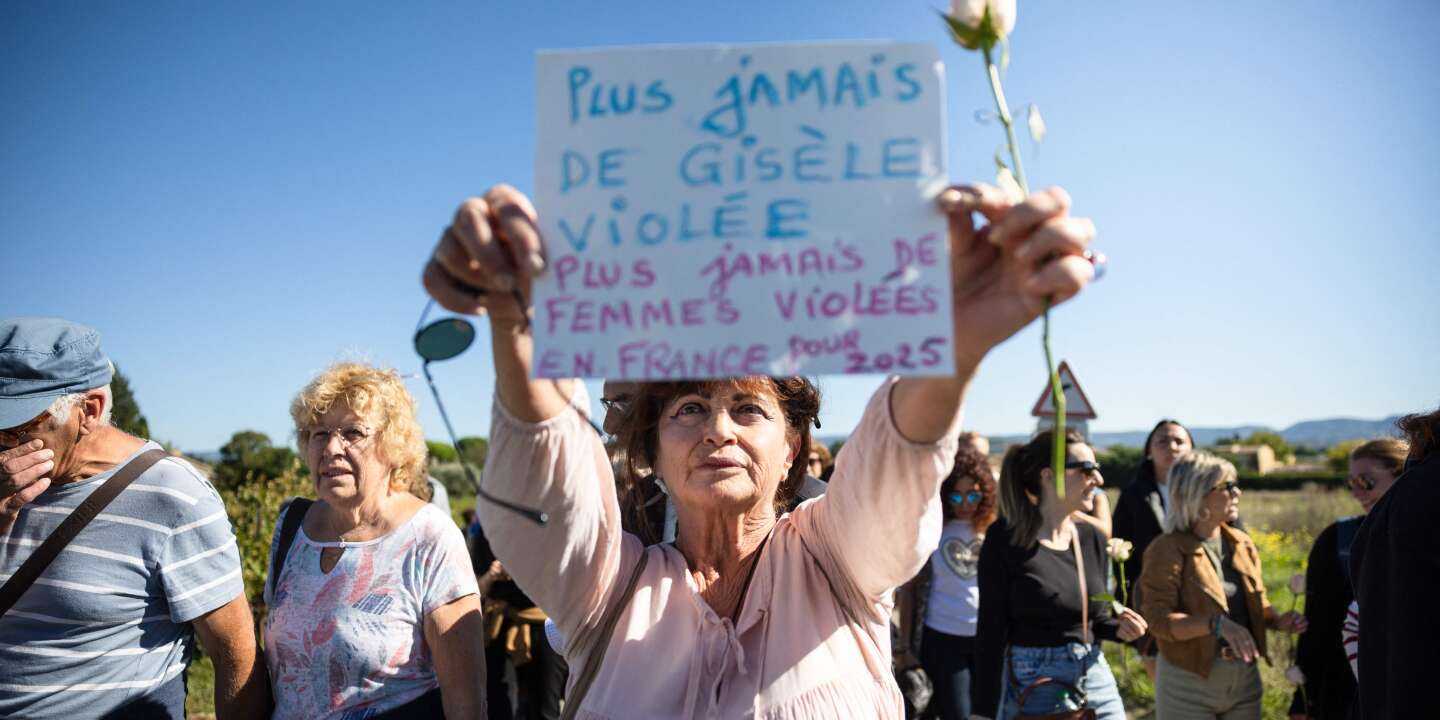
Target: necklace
[{"x": 340, "y": 536}]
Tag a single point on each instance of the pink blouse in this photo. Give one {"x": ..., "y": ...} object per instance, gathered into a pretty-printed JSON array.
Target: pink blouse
[{"x": 813, "y": 638}]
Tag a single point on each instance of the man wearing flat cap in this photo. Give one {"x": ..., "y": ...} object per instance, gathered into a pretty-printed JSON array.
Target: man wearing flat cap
[{"x": 106, "y": 628}]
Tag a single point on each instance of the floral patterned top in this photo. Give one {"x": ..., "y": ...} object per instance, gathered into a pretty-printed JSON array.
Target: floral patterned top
[{"x": 350, "y": 643}]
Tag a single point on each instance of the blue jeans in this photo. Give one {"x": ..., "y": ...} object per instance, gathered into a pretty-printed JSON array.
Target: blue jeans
[{"x": 1083, "y": 666}]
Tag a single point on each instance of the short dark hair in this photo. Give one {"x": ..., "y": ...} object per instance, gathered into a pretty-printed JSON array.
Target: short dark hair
[{"x": 639, "y": 433}]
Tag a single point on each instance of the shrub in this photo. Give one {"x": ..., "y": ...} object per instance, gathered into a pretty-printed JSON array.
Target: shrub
[
  {"x": 253, "y": 506},
  {"x": 441, "y": 452}
]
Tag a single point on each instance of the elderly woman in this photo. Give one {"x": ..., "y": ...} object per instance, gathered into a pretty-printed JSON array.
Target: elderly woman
[
  {"x": 940, "y": 607},
  {"x": 374, "y": 610},
  {"x": 1329, "y": 685},
  {"x": 1204, "y": 596},
  {"x": 748, "y": 613},
  {"x": 1040, "y": 625}
]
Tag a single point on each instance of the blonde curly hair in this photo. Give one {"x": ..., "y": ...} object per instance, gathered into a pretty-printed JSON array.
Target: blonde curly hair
[{"x": 380, "y": 397}]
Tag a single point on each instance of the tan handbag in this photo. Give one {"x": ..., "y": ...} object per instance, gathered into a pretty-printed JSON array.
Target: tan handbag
[
  {"x": 1084, "y": 713},
  {"x": 607, "y": 628}
]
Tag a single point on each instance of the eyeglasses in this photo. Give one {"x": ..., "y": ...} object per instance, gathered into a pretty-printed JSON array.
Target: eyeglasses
[
  {"x": 1229, "y": 488},
  {"x": 970, "y": 498},
  {"x": 350, "y": 436},
  {"x": 1085, "y": 466},
  {"x": 21, "y": 434}
]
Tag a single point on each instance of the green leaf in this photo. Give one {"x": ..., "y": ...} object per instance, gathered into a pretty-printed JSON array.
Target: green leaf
[
  {"x": 1102, "y": 597},
  {"x": 983, "y": 37},
  {"x": 1000, "y": 163}
]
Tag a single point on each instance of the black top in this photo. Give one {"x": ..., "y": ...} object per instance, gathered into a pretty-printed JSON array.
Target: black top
[
  {"x": 1031, "y": 597},
  {"x": 1396, "y": 571},
  {"x": 1137, "y": 519},
  {"x": 1329, "y": 684},
  {"x": 504, "y": 590}
]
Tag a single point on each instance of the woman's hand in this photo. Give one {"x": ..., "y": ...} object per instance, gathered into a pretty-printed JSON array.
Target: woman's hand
[
  {"x": 490, "y": 250},
  {"x": 495, "y": 573},
  {"x": 1003, "y": 273},
  {"x": 1292, "y": 622},
  {"x": 1132, "y": 625},
  {"x": 1239, "y": 639}
]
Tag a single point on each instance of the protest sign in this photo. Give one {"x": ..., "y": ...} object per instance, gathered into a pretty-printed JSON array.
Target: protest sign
[{"x": 714, "y": 211}]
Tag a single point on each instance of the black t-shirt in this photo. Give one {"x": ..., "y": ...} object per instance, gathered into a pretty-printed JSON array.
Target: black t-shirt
[
  {"x": 505, "y": 590},
  {"x": 1031, "y": 597}
]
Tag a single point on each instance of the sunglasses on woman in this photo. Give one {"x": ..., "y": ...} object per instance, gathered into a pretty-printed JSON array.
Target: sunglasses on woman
[
  {"x": 1084, "y": 466},
  {"x": 1229, "y": 488},
  {"x": 970, "y": 498},
  {"x": 1360, "y": 482}
]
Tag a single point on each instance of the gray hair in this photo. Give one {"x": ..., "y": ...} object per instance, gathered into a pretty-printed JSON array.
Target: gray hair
[
  {"x": 65, "y": 405},
  {"x": 1191, "y": 478}
]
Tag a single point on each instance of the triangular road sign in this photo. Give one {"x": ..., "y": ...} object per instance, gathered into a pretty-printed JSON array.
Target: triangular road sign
[{"x": 1076, "y": 404}]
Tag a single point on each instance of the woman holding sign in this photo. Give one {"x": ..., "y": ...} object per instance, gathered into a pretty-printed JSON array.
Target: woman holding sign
[{"x": 749, "y": 613}]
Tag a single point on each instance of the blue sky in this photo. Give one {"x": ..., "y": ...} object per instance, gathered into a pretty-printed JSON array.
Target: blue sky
[{"x": 237, "y": 195}]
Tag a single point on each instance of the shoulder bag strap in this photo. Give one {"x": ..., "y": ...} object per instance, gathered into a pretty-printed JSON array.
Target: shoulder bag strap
[
  {"x": 1084, "y": 594},
  {"x": 71, "y": 526},
  {"x": 294, "y": 515},
  {"x": 607, "y": 628}
]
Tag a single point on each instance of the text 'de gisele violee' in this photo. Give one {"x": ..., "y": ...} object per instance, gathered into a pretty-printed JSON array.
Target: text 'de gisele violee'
[{"x": 713, "y": 211}]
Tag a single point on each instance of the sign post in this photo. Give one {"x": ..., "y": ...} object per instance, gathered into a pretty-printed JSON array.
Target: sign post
[
  {"x": 1078, "y": 410},
  {"x": 714, "y": 211}
]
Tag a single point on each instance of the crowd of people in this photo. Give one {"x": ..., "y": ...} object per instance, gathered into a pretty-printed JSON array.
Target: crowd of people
[{"x": 704, "y": 556}]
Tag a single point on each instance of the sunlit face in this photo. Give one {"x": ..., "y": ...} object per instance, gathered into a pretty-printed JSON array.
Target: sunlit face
[
  {"x": 1079, "y": 483},
  {"x": 1223, "y": 501},
  {"x": 1168, "y": 444},
  {"x": 1369, "y": 472},
  {"x": 722, "y": 448},
  {"x": 345, "y": 464}
]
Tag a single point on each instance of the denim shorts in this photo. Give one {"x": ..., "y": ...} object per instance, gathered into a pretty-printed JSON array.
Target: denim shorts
[{"x": 1082, "y": 666}]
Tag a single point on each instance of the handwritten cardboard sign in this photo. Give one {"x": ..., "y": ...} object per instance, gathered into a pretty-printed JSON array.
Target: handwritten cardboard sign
[{"x": 715, "y": 211}]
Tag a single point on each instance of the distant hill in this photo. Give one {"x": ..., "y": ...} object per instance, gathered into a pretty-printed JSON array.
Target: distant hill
[
  {"x": 1317, "y": 433},
  {"x": 1311, "y": 433}
]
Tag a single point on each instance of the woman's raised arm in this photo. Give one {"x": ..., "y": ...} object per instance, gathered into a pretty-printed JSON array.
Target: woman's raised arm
[{"x": 543, "y": 452}]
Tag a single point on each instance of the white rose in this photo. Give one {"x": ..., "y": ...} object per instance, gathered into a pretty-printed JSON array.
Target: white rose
[
  {"x": 1120, "y": 549},
  {"x": 1297, "y": 584},
  {"x": 1294, "y": 675},
  {"x": 971, "y": 12}
]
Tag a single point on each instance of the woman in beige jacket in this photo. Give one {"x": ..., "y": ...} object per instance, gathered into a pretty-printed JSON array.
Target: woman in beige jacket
[{"x": 1204, "y": 598}]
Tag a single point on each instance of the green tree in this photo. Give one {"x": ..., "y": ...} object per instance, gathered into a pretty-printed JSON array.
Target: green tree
[
  {"x": 441, "y": 451},
  {"x": 475, "y": 450},
  {"x": 1283, "y": 452},
  {"x": 1119, "y": 464},
  {"x": 250, "y": 457},
  {"x": 125, "y": 413},
  {"x": 1338, "y": 456}
]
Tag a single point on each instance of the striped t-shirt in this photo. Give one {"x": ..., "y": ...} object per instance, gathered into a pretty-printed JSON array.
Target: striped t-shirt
[{"x": 106, "y": 627}]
